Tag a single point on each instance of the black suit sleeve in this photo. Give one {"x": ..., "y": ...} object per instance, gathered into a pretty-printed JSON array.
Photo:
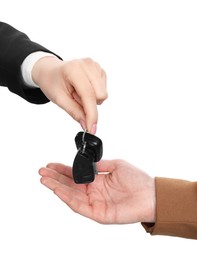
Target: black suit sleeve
[{"x": 15, "y": 46}]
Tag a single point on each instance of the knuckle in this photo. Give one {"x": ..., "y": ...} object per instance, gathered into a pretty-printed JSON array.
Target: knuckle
[
  {"x": 103, "y": 96},
  {"x": 88, "y": 60}
]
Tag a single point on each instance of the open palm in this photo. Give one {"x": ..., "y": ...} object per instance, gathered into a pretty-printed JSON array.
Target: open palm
[{"x": 120, "y": 193}]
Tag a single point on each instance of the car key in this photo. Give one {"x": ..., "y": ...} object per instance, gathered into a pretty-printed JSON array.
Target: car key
[{"x": 90, "y": 151}]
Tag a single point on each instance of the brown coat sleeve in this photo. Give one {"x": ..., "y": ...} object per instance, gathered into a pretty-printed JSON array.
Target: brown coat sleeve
[{"x": 176, "y": 209}]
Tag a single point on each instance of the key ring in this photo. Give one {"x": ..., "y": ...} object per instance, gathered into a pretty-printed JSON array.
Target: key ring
[{"x": 83, "y": 141}]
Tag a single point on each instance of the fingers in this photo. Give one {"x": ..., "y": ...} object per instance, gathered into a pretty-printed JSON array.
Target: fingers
[
  {"x": 50, "y": 183},
  {"x": 98, "y": 79},
  {"x": 61, "y": 168},
  {"x": 56, "y": 174},
  {"x": 71, "y": 106},
  {"x": 76, "y": 199},
  {"x": 51, "y": 178},
  {"x": 86, "y": 93},
  {"x": 89, "y": 81}
]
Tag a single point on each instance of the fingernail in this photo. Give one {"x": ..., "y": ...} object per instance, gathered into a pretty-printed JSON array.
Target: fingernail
[{"x": 93, "y": 130}]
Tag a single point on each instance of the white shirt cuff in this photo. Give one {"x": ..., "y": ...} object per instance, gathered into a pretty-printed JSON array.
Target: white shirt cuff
[{"x": 27, "y": 65}]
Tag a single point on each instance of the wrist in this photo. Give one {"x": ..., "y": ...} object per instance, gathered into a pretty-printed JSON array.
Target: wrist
[
  {"x": 151, "y": 218},
  {"x": 42, "y": 69},
  {"x": 28, "y": 64}
]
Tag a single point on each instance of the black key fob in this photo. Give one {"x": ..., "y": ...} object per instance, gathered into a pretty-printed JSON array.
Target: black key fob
[{"x": 90, "y": 151}]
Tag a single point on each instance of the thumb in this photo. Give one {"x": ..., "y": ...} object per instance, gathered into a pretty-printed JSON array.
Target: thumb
[{"x": 105, "y": 166}]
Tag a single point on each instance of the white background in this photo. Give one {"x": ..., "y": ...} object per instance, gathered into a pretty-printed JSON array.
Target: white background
[{"x": 149, "y": 52}]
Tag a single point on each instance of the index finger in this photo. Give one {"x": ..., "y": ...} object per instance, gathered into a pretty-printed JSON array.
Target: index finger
[{"x": 85, "y": 91}]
